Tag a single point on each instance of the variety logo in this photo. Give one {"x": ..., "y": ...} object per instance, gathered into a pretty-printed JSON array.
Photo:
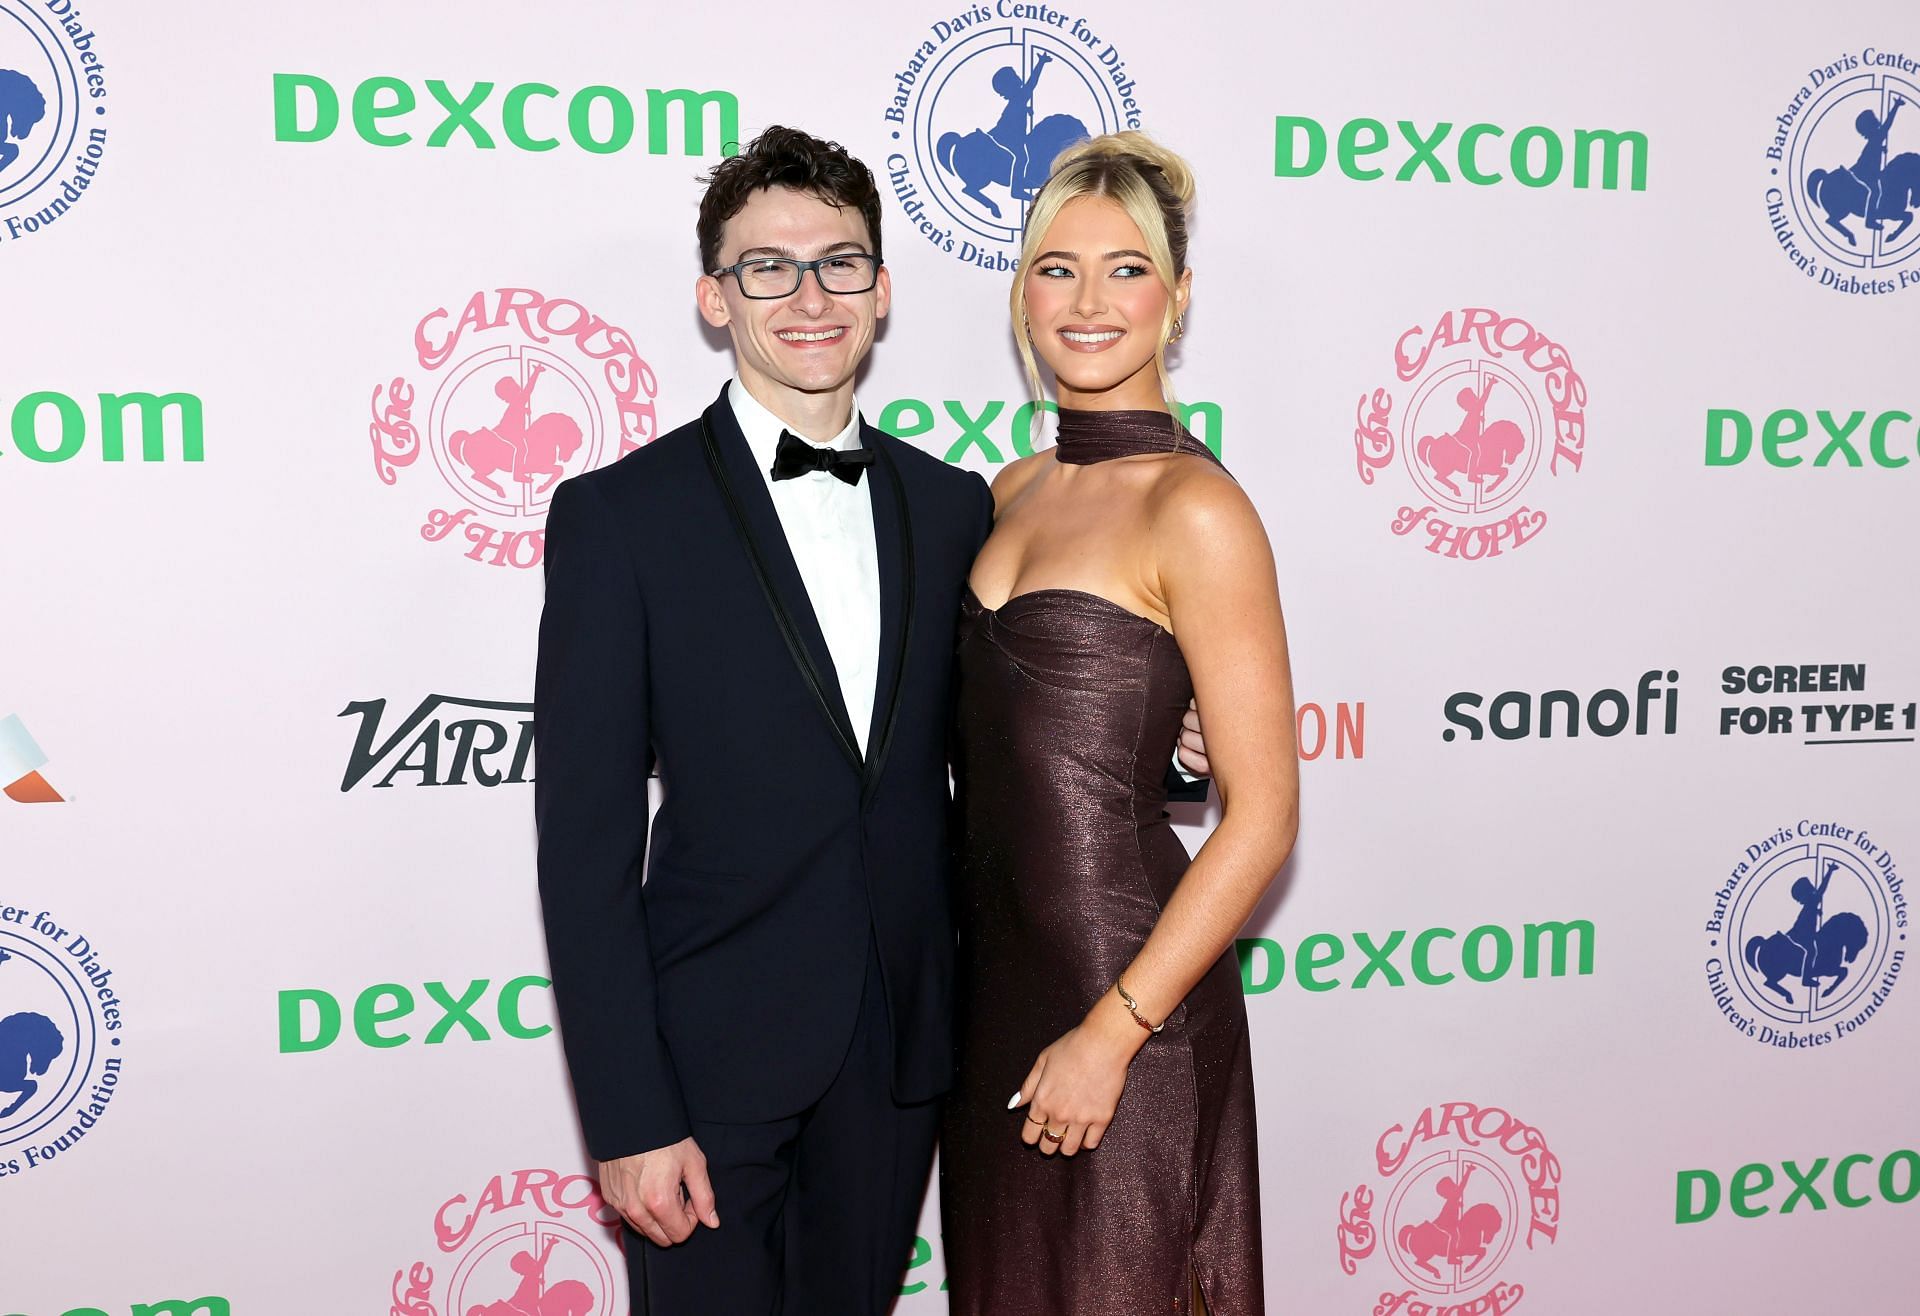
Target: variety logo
[
  {"x": 1460, "y": 1189},
  {"x": 980, "y": 109},
  {"x": 53, "y": 112},
  {"x": 479, "y": 749},
  {"x": 1484, "y": 954},
  {"x": 1853, "y": 1181},
  {"x": 1511, "y": 715},
  {"x": 599, "y": 120},
  {"x": 527, "y": 390},
  {"x": 20, "y": 762},
  {"x": 1730, "y": 434},
  {"x": 533, "y": 1243},
  {"x": 311, "y": 1018},
  {"x": 53, "y": 427},
  {"x": 1535, "y": 156},
  {"x": 60, "y": 1031},
  {"x": 992, "y": 425},
  {"x": 1494, "y": 400},
  {"x": 1843, "y": 173},
  {"x": 1805, "y": 937},
  {"x": 1850, "y": 722}
]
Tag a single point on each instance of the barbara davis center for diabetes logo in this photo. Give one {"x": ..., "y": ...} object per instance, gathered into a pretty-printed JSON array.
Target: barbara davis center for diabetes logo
[
  {"x": 980, "y": 108},
  {"x": 61, "y": 1024},
  {"x": 1843, "y": 173},
  {"x": 1807, "y": 935},
  {"x": 53, "y": 113}
]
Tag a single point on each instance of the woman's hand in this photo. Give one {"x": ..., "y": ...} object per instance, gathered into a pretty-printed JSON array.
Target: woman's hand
[{"x": 1074, "y": 1086}]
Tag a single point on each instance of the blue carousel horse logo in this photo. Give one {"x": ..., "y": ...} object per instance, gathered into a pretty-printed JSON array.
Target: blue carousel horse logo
[
  {"x": 1874, "y": 188},
  {"x": 1009, "y": 154},
  {"x": 1813, "y": 949},
  {"x": 21, "y": 107},
  {"x": 29, "y": 1044}
]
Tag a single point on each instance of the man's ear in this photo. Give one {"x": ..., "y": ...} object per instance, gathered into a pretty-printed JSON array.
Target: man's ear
[
  {"x": 883, "y": 294},
  {"x": 711, "y": 301}
]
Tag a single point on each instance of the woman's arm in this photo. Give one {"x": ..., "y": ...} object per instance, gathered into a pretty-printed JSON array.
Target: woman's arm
[{"x": 1216, "y": 578}]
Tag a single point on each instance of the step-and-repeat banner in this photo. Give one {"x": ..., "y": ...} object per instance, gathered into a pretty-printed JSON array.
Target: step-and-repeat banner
[{"x": 1569, "y": 358}]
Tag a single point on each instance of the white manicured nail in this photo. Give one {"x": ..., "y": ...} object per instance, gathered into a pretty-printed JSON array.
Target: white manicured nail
[{"x": 1014, "y": 1102}]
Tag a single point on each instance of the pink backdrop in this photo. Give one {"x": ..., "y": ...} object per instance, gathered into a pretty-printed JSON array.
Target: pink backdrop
[{"x": 269, "y": 628}]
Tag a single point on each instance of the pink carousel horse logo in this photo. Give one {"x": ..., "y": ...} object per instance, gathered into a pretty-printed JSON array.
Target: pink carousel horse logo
[
  {"x": 519, "y": 444},
  {"x": 1456, "y": 1235},
  {"x": 1495, "y": 403},
  {"x": 532, "y": 1296},
  {"x": 526, "y": 390},
  {"x": 530, "y": 1243},
  {"x": 1466, "y": 1189},
  {"x": 1483, "y": 454}
]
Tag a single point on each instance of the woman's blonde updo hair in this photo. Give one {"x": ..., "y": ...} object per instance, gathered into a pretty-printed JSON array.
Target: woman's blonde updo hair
[{"x": 1152, "y": 184}]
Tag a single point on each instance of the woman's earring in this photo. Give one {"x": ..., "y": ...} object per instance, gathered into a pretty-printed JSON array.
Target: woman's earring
[
  {"x": 1026, "y": 325},
  {"x": 1179, "y": 327}
]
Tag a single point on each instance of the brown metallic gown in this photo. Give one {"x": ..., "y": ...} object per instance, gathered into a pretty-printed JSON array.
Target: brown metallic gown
[{"x": 1068, "y": 712}]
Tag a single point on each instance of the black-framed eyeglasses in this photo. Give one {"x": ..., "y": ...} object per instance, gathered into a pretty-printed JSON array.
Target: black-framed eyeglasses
[{"x": 779, "y": 276}]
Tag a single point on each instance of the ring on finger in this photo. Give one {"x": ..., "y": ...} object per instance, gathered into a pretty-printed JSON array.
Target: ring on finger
[
  {"x": 1051, "y": 1136},
  {"x": 1032, "y": 1120}
]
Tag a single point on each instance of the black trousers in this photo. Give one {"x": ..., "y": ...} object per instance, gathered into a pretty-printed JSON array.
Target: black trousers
[{"x": 817, "y": 1211}]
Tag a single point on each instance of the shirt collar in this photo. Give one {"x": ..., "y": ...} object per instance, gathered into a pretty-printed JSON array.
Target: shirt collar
[{"x": 762, "y": 428}]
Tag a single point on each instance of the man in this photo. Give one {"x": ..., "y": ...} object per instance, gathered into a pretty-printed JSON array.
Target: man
[{"x": 763, "y": 602}]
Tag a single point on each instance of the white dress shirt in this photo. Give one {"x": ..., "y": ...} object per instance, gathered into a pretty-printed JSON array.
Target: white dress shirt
[{"x": 829, "y": 528}]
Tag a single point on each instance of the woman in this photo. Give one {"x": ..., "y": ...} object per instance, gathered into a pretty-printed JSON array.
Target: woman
[{"x": 1126, "y": 571}]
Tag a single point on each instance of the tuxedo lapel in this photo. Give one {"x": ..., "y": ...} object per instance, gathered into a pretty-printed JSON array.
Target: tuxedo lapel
[
  {"x": 745, "y": 490},
  {"x": 893, "y": 544}
]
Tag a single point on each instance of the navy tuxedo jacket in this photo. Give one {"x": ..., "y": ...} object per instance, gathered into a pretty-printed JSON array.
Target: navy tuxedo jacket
[{"x": 728, "y": 985}]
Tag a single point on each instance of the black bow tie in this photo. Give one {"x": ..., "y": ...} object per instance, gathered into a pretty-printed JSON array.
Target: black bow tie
[{"x": 796, "y": 457}]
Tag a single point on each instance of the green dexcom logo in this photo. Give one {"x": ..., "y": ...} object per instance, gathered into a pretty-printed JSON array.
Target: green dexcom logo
[
  {"x": 999, "y": 428},
  {"x": 530, "y": 116},
  {"x": 53, "y": 427},
  {"x": 1852, "y": 1181},
  {"x": 312, "y": 1019},
  {"x": 164, "y": 1307},
  {"x": 1840, "y": 438},
  {"x": 1535, "y": 156},
  {"x": 1484, "y": 954}
]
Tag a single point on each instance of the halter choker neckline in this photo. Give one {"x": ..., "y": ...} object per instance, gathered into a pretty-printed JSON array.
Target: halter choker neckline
[{"x": 1087, "y": 437}]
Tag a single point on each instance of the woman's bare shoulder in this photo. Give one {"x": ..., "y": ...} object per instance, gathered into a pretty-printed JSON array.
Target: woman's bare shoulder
[
  {"x": 1192, "y": 495},
  {"x": 1016, "y": 476}
]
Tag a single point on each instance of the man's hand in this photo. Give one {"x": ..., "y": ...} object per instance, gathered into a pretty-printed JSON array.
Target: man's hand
[
  {"x": 646, "y": 1189},
  {"x": 1193, "y": 749}
]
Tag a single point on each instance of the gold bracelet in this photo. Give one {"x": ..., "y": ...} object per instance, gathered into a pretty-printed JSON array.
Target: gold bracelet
[{"x": 1133, "y": 1007}]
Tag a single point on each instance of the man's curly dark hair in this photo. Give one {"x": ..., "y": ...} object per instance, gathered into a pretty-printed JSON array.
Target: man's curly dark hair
[{"x": 785, "y": 157}]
